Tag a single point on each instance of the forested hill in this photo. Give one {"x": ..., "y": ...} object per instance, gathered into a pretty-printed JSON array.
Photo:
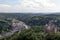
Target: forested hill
[
  {"x": 32, "y": 19},
  {"x": 36, "y": 22}
]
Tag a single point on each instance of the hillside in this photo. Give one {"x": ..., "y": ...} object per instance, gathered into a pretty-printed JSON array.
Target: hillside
[{"x": 15, "y": 26}]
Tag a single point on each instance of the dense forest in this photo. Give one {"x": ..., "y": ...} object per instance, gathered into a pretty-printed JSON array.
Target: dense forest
[{"x": 36, "y": 22}]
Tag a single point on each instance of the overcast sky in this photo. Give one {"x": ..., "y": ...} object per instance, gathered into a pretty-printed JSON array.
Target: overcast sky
[{"x": 30, "y": 6}]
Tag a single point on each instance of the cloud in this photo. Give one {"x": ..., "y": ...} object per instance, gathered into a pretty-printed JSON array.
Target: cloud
[
  {"x": 38, "y": 5},
  {"x": 31, "y": 6},
  {"x": 7, "y": 8}
]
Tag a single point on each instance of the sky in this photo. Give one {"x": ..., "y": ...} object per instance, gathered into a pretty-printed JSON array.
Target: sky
[{"x": 33, "y": 6}]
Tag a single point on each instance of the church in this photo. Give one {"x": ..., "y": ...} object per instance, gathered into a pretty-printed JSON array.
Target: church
[{"x": 51, "y": 27}]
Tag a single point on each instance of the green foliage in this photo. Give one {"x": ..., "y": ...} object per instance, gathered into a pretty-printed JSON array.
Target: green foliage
[
  {"x": 24, "y": 35},
  {"x": 53, "y": 36},
  {"x": 4, "y": 26},
  {"x": 38, "y": 28},
  {"x": 30, "y": 34},
  {"x": 27, "y": 35}
]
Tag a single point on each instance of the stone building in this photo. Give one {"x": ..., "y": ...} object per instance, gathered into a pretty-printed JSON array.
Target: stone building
[
  {"x": 51, "y": 27},
  {"x": 19, "y": 25}
]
